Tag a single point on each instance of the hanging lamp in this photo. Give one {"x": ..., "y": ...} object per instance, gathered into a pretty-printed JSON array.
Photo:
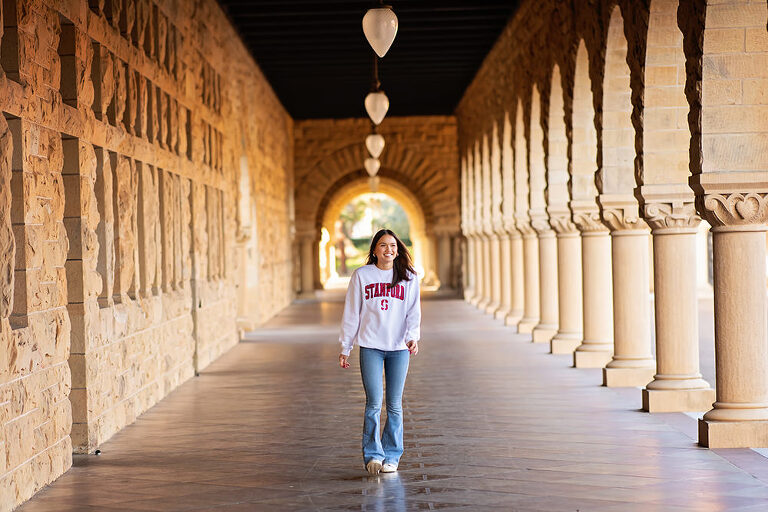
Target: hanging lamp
[
  {"x": 372, "y": 166},
  {"x": 380, "y": 28},
  {"x": 375, "y": 144},
  {"x": 376, "y": 102}
]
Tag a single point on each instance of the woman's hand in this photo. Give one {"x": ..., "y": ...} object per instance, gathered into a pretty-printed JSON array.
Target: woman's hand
[
  {"x": 413, "y": 347},
  {"x": 343, "y": 361}
]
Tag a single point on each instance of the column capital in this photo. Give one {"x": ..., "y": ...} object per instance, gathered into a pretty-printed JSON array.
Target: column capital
[
  {"x": 671, "y": 216},
  {"x": 561, "y": 222},
  {"x": 539, "y": 221},
  {"x": 586, "y": 216},
  {"x": 669, "y": 208},
  {"x": 621, "y": 213},
  {"x": 734, "y": 208}
]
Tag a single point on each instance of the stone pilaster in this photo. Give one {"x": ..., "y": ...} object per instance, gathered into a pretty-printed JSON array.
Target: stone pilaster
[
  {"x": 739, "y": 417},
  {"x": 548, "y": 315},
  {"x": 596, "y": 346},
  {"x": 632, "y": 363},
  {"x": 569, "y": 289},
  {"x": 308, "y": 262},
  {"x": 677, "y": 385},
  {"x": 485, "y": 269}
]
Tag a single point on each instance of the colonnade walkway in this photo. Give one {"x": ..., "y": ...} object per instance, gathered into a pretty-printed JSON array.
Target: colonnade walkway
[{"x": 492, "y": 422}]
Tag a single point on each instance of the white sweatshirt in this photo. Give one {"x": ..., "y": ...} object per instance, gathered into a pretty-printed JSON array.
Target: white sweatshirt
[{"x": 377, "y": 316}]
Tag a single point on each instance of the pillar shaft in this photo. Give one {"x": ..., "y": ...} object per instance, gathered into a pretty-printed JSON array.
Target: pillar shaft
[
  {"x": 517, "y": 278},
  {"x": 307, "y": 268},
  {"x": 569, "y": 332},
  {"x": 495, "y": 274},
  {"x": 478, "y": 271},
  {"x": 505, "y": 273},
  {"x": 548, "y": 307},
  {"x": 486, "y": 272},
  {"x": 596, "y": 346},
  {"x": 469, "y": 269},
  {"x": 677, "y": 385},
  {"x": 632, "y": 363},
  {"x": 741, "y": 351},
  {"x": 444, "y": 258},
  {"x": 531, "y": 293}
]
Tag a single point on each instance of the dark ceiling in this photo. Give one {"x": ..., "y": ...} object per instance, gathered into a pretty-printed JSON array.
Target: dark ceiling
[{"x": 318, "y": 61}]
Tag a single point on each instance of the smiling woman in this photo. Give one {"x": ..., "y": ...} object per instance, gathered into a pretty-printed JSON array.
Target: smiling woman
[{"x": 382, "y": 313}]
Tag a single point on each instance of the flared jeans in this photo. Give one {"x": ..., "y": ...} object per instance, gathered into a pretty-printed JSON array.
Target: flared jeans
[{"x": 388, "y": 446}]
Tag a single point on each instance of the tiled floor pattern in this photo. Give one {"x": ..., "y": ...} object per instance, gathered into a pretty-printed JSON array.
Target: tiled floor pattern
[{"x": 492, "y": 422}]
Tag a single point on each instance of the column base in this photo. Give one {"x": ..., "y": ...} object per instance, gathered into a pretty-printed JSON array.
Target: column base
[
  {"x": 501, "y": 314},
  {"x": 733, "y": 434},
  {"x": 526, "y": 325},
  {"x": 592, "y": 359},
  {"x": 627, "y": 377},
  {"x": 475, "y": 300},
  {"x": 513, "y": 319},
  {"x": 492, "y": 308},
  {"x": 544, "y": 333},
  {"x": 483, "y": 303},
  {"x": 564, "y": 345},
  {"x": 678, "y": 400}
]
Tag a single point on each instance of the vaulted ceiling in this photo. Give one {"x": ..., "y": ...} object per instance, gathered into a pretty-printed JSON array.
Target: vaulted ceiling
[{"x": 316, "y": 57}]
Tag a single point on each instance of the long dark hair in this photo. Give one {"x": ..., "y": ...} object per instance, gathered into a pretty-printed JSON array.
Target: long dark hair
[{"x": 403, "y": 265}]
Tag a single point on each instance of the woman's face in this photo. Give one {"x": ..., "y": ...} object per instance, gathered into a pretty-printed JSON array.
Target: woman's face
[{"x": 386, "y": 249}]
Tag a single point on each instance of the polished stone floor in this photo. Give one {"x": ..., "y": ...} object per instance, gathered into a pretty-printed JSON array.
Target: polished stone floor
[{"x": 492, "y": 422}]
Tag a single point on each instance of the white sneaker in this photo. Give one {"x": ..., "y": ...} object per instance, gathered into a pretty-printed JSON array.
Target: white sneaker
[
  {"x": 373, "y": 467},
  {"x": 388, "y": 468}
]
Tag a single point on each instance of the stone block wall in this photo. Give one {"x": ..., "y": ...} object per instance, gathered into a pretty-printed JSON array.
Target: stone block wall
[{"x": 145, "y": 168}]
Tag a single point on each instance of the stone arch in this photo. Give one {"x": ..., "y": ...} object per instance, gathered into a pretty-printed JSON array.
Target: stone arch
[
  {"x": 339, "y": 197},
  {"x": 616, "y": 175},
  {"x": 584, "y": 145},
  {"x": 557, "y": 154}
]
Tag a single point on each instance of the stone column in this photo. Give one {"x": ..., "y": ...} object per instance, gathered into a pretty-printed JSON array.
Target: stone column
[
  {"x": 470, "y": 279},
  {"x": 569, "y": 294},
  {"x": 739, "y": 417},
  {"x": 486, "y": 272},
  {"x": 531, "y": 268},
  {"x": 632, "y": 363},
  {"x": 444, "y": 258},
  {"x": 308, "y": 264},
  {"x": 677, "y": 385},
  {"x": 517, "y": 278},
  {"x": 596, "y": 347},
  {"x": 495, "y": 274},
  {"x": 479, "y": 278},
  {"x": 547, "y": 326},
  {"x": 702, "y": 261},
  {"x": 505, "y": 276}
]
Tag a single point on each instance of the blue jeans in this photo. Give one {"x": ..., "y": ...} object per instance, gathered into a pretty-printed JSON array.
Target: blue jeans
[{"x": 387, "y": 447}]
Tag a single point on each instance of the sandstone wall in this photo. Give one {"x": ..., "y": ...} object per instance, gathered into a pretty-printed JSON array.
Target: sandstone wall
[
  {"x": 420, "y": 154},
  {"x": 145, "y": 186}
]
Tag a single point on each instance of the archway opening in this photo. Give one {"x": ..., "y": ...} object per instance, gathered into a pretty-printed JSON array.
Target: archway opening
[
  {"x": 358, "y": 221},
  {"x": 354, "y": 213}
]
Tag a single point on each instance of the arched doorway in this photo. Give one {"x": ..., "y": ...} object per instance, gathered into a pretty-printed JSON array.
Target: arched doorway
[{"x": 423, "y": 251}]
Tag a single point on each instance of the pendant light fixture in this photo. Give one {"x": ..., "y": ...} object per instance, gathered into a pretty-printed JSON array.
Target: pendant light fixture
[
  {"x": 375, "y": 144},
  {"x": 372, "y": 166},
  {"x": 376, "y": 102},
  {"x": 380, "y": 28}
]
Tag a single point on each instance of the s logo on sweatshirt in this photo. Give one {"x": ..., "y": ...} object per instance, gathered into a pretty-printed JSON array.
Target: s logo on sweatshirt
[{"x": 384, "y": 304}]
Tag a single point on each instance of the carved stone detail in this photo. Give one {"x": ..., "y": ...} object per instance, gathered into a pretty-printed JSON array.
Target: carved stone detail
[
  {"x": 562, "y": 223},
  {"x": 588, "y": 221},
  {"x": 621, "y": 213},
  {"x": 735, "y": 208},
  {"x": 671, "y": 215}
]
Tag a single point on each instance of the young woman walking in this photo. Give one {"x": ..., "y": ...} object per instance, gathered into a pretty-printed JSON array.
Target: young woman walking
[{"x": 382, "y": 313}]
